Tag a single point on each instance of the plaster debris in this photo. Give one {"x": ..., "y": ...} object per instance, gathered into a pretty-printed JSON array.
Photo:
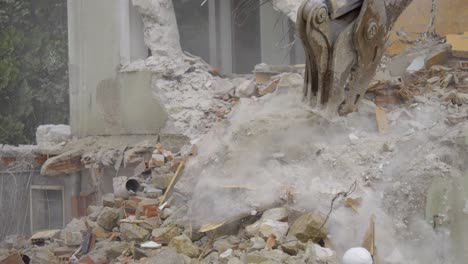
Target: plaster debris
[
  {"x": 50, "y": 135},
  {"x": 288, "y": 7}
]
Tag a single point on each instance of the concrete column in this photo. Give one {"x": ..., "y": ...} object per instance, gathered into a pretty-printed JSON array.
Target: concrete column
[
  {"x": 103, "y": 35},
  {"x": 213, "y": 32},
  {"x": 225, "y": 36},
  {"x": 138, "y": 48},
  {"x": 132, "y": 44},
  {"x": 124, "y": 22},
  {"x": 274, "y": 28}
]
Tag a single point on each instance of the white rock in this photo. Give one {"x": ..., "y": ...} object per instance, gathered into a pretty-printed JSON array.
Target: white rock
[
  {"x": 271, "y": 227},
  {"x": 417, "y": 64},
  {"x": 151, "y": 245},
  {"x": 323, "y": 253},
  {"x": 247, "y": 88},
  {"x": 257, "y": 242},
  {"x": 353, "y": 137},
  {"x": 226, "y": 253},
  {"x": 357, "y": 255},
  {"x": 276, "y": 214}
]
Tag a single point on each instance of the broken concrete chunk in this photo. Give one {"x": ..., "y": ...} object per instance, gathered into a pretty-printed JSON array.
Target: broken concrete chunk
[
  {"x": 292, "y": 245},
  {"x": 157, "y": 160},
  {"x": 257, "y": 242},
  {"x": 100, "y": 232},
  {"x": 108, "y": 200},
  {"x": 71, "y": 238},
  {"x": 276, "y": 214},
  {"x": 184, "y": 245},
  {"x": 211, "y": 258},
  {"x": 267, "y": 256},
  {"x": 93, "y": 212},
  {"x": 309, "y": 227},
  {"x": 42, "y": 236},
  {"x": 76, "y": 225},
  {"x": 132, "y": 232},
  {"x": 276, "y": 228},
  {"x": 247, "y": 88},
  {"x": 223, "y": 86},
  {"x": 324, "y": 255},
  {"x": 49, "y": 135},
  {"x": 165, "y": 234},
  {"x": 162, "y": 181},
  {"x": 108, "y": 217},
  {"x": 95, "y": 257},
  {"x": 165, "y": 256},
  {"x": 116, "y": 249},
  {"x": 222, "y": 244},
  {"x": 43, "y": 255}
]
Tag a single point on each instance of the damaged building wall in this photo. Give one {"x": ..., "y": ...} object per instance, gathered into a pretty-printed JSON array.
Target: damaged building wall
[
  {"x": 450, "y": 17},
  {"x": 103, "y": 35},
  {"x": 22, "y": 214}
]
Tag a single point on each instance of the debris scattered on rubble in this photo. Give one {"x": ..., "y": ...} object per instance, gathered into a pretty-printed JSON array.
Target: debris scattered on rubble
[
  {"x": 353, "y": 203},
  {"x": 309, "y": 226},
  {"x": 51, "y": 135},
  {"x": 40, "y": 238}
]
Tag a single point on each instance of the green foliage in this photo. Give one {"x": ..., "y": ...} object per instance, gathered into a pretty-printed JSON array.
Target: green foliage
[{"x": 33, "y": 67}]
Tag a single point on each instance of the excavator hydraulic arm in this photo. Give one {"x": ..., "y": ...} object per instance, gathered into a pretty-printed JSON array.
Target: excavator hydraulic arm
[{"x": 344, "y": 41}]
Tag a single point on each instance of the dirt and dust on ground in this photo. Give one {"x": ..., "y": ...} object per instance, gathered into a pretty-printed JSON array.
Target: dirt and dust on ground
[{"x": 272, "y": 181}]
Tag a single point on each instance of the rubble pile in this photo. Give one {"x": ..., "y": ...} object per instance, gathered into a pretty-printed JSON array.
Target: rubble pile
[
  {"x": 275, "y": 150},
  {"x": 140, "y": 230},
  {"x": 448, "y": 83},
  {"x": 276, "y": 182}
]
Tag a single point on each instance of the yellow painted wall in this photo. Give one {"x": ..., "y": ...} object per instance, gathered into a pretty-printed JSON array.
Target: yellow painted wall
[{"x": 451, "y": 17}]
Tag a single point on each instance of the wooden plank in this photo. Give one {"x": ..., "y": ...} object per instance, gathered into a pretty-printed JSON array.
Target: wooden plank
[
  {"x": 173, "y": 181},
  {"x": 369, "y": 240},
  {"x": 381, "y": 118}
]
